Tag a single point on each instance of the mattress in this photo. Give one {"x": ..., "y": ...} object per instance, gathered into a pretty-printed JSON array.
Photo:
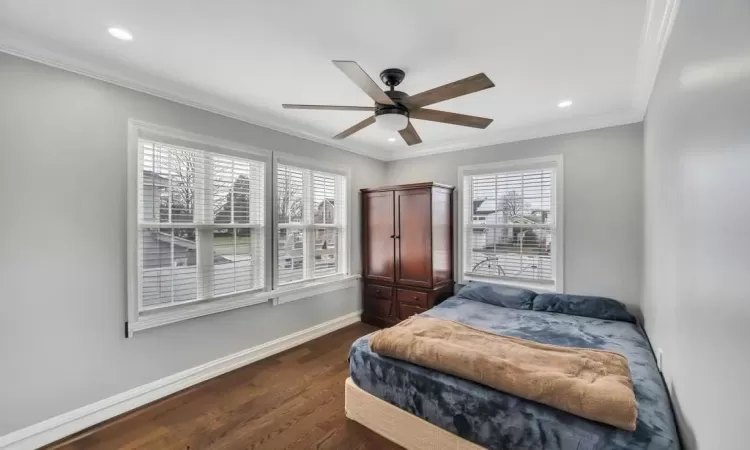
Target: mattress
[{"x": 496, "y": 420}]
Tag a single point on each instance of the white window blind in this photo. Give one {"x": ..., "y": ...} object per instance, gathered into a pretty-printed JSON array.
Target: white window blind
[
  {"x": 509, "y": 225},
  {"x": 200, "y": 225},
  {"x": 311, "y": 224}
]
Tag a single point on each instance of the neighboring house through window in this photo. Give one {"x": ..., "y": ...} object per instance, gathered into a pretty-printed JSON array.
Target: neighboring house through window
[
  {"x": 201, "y": 224},
  {"x": 216, "y": 225},
  {"x": 311, "y": 219},
  {"x": 511, "y": 223}
]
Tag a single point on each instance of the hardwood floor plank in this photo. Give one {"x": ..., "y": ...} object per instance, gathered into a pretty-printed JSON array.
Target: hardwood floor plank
[{"x": 293, "y": 400}]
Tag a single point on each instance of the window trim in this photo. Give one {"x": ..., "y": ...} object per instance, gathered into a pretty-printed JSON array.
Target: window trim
[
  {"x": 547, "y": 162},
  {"x": 311, "y": 164},
  {"x": 137, "y": 319},
  {"x": 277, "y": 297}
]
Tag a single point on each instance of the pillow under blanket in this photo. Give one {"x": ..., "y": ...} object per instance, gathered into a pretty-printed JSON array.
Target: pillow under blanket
[
  {"x": 583, "y": 305},
  {"x": 519, "y": 298},
  {"x": 498, "y": 295}
]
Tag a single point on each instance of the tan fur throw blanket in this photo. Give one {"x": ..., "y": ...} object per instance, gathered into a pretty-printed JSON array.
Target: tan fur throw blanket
[{"x": 594, "y": 384}]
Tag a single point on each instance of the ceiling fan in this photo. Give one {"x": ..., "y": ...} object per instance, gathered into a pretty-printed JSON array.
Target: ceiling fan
[{"x": 393, "y": 109}]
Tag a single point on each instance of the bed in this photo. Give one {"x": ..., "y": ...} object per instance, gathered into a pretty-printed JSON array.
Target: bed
[{"x": 487, "y": 418}]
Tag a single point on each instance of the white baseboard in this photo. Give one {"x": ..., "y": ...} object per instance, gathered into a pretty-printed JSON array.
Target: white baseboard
[{"x": 58, "y": 427}]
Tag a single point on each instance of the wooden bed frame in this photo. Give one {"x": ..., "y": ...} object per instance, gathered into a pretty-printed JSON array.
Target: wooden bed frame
[{"x": 397, "y": 425}]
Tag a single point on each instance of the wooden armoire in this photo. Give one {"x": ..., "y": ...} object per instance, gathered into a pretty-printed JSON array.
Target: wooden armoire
[{"x": 407, "y": 240}]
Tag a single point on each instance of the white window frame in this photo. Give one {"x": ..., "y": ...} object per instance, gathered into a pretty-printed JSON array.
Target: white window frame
[
  {"x": 554, "y": 162},
  {"x": 138, "y": 319},
  {"x": 344, "y": 252}
]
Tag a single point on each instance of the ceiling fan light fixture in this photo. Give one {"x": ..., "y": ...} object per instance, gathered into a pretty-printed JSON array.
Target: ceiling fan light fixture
[{"x": 392, "y": 119}]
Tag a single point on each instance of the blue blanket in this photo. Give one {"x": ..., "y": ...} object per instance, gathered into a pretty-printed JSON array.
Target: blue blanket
[{"x": 497, "y": 420}]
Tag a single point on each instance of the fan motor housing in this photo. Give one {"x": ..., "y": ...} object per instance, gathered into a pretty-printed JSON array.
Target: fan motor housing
[
  {"x": 390, "y": 109},
  {"x": 398, "y": 97}
]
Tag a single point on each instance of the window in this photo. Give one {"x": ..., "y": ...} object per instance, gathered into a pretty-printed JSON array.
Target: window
[
  {"x": 311, "y": 224},
  {"x": 511, "y": 223},
  {"x": 215, "y": 225},
  {"x": 200, "y": 224}
]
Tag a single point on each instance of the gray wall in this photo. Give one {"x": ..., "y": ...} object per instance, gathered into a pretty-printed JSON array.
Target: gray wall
[
  {"x": 697, "y": 191},
  {"x": 63, "y": 141},
  {"x": 602, "y": 201}
]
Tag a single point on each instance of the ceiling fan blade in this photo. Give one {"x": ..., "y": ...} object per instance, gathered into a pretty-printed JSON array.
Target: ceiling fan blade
[
  {"x": 329, "y": 107},
  {"x": 353, "y": 129},
  {"x": 410, "y": 135},
  {"x": 361, "y": 79},
  {"x": 434, "y": 115},
  {"x": 448, "y": 91}
]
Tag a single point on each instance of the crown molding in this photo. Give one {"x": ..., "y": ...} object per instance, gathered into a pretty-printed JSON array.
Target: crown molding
[
  {"x": 658, "y": 21},
  {"x": 532, "y": 131},
  {"x": 657, "y": 27},
  {"x": 53, "y": 55}
]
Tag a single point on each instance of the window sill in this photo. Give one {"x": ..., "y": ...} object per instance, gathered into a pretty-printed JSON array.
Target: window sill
[
  {"x": 297, "y": 291},
  {"x": 275, "y": 297},
  {"x": 538, "y": 287}
]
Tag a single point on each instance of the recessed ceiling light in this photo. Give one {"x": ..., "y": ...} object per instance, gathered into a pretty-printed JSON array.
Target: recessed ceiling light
[
  {"x": 391, "y": 139},
  {"x": 120, "y": 34},
  {"x": 564, "y": 104}
]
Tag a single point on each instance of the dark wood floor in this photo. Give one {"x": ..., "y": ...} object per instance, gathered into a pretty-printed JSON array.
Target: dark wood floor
[{"x": 292, "y": 400}]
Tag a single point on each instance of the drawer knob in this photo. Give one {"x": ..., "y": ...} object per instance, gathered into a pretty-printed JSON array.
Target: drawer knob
[{"x": 416, "y": 298}]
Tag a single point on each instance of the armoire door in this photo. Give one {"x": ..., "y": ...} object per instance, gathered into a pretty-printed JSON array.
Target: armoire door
[
  {"x": 413, "y": 237},
  {"x": 379, "y": 233}
]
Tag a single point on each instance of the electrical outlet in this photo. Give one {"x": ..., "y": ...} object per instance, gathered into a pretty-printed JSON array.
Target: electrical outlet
[{"x": 660, "y": 359}]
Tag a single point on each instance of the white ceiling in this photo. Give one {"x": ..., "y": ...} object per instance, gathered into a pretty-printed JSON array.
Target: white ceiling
[{"x": 244, "y": 58}]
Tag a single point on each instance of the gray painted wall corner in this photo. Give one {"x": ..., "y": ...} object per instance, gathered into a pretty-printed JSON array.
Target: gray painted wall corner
[
  {"x": 63, "y": 140},
  {"x": 603, "y": 201},
  {"x": 696, "y": 160}
]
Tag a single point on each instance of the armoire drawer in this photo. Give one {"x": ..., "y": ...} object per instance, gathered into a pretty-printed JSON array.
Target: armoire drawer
[
  {"x": 377, "y": 291},
  {"x": 406, "y": 310},
  {"x": 412, "y": 297},
  {"x": 379, "y": 307}
]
